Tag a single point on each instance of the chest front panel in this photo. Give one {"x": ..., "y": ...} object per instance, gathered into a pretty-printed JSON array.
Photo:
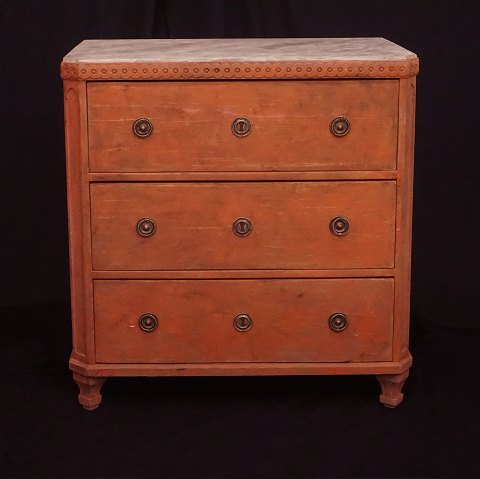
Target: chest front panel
[
  {"x": 290, "y": 126},
  {"x": 240, "y": 207}
]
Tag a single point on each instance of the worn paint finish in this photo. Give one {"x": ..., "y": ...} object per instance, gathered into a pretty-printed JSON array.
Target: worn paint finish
[
  {"x": 238, "y": 58},
  {"x": 290, "y": 320},
  {"x": 290, "y": 126},
  {"x": 237, "y": 50},
  {"x": 290, "y": 176},
  {"x": 290, "y": 225}
]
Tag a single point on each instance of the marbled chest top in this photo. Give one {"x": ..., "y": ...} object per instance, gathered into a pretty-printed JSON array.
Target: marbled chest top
[{"x": 238, "y": 58}]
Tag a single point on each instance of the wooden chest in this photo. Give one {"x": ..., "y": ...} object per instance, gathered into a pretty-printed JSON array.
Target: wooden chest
[{"x": 239, "y": 207}]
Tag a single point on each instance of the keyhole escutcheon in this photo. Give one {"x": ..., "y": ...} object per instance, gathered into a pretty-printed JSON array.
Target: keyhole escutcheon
[
  {"x": 242, "y": 227},
  {"x": 241, "y": 127}
]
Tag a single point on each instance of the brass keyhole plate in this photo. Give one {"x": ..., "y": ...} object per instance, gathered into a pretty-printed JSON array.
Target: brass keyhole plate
[
  {"x": 242, "y": 227},
  {"x": 241, "y": 127}
]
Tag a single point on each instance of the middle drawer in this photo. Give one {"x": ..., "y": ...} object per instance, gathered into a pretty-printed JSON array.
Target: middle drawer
[{"x": 254, "y": 225}]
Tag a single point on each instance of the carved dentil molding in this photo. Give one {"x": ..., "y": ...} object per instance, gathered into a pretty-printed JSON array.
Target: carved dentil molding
[{"x": 244, "y": 70}]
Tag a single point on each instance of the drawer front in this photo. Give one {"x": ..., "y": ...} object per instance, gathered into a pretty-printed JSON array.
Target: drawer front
[
  {"x": 290, "y": 125},
  {"x": 289, "y": 320},
  {"x": 195, "y": 226}
]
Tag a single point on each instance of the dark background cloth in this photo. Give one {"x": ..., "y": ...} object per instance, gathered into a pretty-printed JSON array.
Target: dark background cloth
[
  {"x": 36, "y": 35},
  {"x": 238, "y": 427}
]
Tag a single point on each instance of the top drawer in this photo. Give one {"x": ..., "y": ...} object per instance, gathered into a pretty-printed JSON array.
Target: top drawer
[{"x": 291, "y": 125}]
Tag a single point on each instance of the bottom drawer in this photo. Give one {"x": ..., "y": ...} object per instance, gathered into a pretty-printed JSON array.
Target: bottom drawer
[{"x": 281, "y": 320}]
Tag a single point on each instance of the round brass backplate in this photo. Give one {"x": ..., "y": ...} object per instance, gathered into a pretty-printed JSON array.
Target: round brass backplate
[
  {"x": 148, "y": 322},
  {"x": 142, "y": 127},
  {"x": 339, "y": 226},
  {"x": 146, "y": 227},
  {"x": 340, "y": 126},
  {"x": 337, "y": 322},
  {"x": 242, "y": 322}
]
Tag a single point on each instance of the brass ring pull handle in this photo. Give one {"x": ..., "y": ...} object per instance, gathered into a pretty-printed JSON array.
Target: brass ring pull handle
[
  {"x": 340, "y": 126},
  {"x": 142, "y": 127},
  {"x": 242, "y": 322},
  {"x": 339, "y": 226},
  {"x": 146, "y": 227},
  {"x": 242, "y": 227},
  {"x": 241, "y": 127},
  {"x": 338, "y": 322},
  {"x": 148, "y": 322}
]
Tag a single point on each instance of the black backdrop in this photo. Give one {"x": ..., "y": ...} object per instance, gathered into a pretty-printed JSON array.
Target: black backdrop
[
  {"x": 36, "y": 35},
  {"x": 213, "y": 427}
]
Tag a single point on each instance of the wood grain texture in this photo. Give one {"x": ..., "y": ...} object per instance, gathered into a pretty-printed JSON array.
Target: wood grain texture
[
  {"x": 239, "y": 369},
  {"x": 244, "y": 176},
  {"x": 290, "y": 126},
  {"x": 76, "y": 147},
  {"x": 246, "y": 273},
  {"x": 196, "y": 320},
  {"x": 404, "y": 216},
  {"x": 290, "y": 225}
]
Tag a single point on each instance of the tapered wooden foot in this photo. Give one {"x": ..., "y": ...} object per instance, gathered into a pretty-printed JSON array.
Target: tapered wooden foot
[
  {"x": 89, "y": 397},
  {"x": 391, "y": 385}
]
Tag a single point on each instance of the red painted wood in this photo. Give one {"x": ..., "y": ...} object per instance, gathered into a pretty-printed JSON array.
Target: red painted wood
[
  {"x": 290, "y": 225},
  {"x": 290, "y": 126},
  {"x": 290, "y": 320},
  {"x": 290, "y": 176}
]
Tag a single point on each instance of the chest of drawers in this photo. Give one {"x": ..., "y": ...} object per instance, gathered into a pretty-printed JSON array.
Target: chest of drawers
[{"x": 239, "y": 207}]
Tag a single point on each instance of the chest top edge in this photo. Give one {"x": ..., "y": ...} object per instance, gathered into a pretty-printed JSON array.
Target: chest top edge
[{"x": 247, "y": 58}]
